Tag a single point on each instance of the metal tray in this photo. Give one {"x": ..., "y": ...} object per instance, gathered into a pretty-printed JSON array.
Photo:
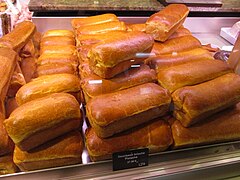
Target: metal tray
[{"x": 220, "y": 160}]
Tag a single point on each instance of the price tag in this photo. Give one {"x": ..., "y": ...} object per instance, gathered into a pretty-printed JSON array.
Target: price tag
[{"x": 130, "y": 159}]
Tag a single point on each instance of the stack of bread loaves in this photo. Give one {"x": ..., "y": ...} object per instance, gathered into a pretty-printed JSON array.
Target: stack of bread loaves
[
  {"x": 199, "y": 85},
  {"x": 46, "y": 126},
  {"x": 119, "y": 89}
]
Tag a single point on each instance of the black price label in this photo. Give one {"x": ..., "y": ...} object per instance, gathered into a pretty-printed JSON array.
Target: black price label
[{"x": 130, "y": 159}]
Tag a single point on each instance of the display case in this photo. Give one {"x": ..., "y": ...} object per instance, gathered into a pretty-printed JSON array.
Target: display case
[{"x": 213, "y": 161}]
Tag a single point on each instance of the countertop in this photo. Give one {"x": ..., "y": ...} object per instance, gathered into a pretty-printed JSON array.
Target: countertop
[{"x": 123, "y": 5}]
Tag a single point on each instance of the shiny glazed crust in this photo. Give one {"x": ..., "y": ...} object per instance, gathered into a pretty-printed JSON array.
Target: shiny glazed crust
[
  {"x": 127, "y": 108},
  {"x": 155, "y": 135},
  {"x": 58, "y": 32},
  {"x": 195, "y": 103},
  {"x": 57, "y": 41},
  {"x": 43, "y": 119},
  {"x": 223, "y": 126},
  {"x": 64, "y": 150},
  {"x": 164, "y": 23},
  {"x": 48, "y": 84},
  {"x": 191, "y": 73}
]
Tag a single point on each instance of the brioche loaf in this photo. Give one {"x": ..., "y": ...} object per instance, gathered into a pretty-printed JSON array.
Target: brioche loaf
[
  {"x": 164, "y": 23},
  {"x": 155, "y": 135},
  {"x": 47, "y": 84},
  {"x": 64, "y": 150},
  {"x": 127, "y": 108},
  {"x": 195, "y": 103},
  {"x": 40, "y": 120}
]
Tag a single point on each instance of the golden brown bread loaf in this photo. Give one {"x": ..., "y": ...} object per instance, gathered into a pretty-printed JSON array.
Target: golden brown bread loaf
[
  {"x": 160, "y": 62},
  {"x": 191, "y": 73},
  {"x": 28, "y": 67},
  {"x": 19, "y": 36},
  {"x": 62, "y": 151},
  {"x": 60, "y": 49},
  {"x": 7, "y": 63},
  {"x": 106, "y": 55},
  {"x": 58, "y": 32},
  {"x": 7, "y": 165},
  {"x": 221, "y": 127},
  {"x": 85, "y": 71},
  {"x": 58, "y": 58},
  {"x": 179, "y": 44},
  {"x": 181, "y": 31},
  {"x": 55, "y": 68},
  {"x": 155, "y": 135},
  {"x": 93, "y": 85},
  {"x": 195, "y": 103},
  {"x": 43, "y": 119},
  {"x": 90, "y": 39},
  {"x": 6, "y": 144},
  {"x": 17, "y": 81},
  {"x": 164, "y": 23},
  {"x": 47, "y": 84},
  {"x": 102, "y": 28},
  {"x": 98, "y": 19},
  {"x": 115, "y": 112},
  {"x": 57, "y": 41}
]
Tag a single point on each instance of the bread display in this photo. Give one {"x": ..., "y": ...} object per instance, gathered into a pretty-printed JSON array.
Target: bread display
[
  {"x": 20, "y": 35},
  {"x": 182, "y": 43},
  {"x": 93, "y": 85},
  {"x": 92, "y": 20},
  {"x": 127, "y": 108},
  {"x": 43, "y": 119},
  {"x": 47, "y": 84},
  {"x": 62, "y": 151},
  {"x": 164, "y": 23},
  {"x": 194, "y": 103},
  {"x": 107, "y": 54},
  {"x": 155, "y": 135},
  {"x": 160, "y": 62},
  {"x": 191, "y": 73},
  {"x": 7, "y": 165},
  {"x": 102, "y": 27},
  {"x": 220, "y": 127}
]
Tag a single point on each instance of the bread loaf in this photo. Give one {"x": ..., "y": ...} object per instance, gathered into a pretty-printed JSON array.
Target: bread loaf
[
  {"x": 102, "y": 28},
  {"x": 11, "y": 105},
  {"x": 137, "y": 27},
  {"x": 47, "y": 84},
  {"x": 19, "y": 36},
  {"x": 118, "y": 111},
  {"x": 164, "y": 23},
  {"x": 57, "y": 41},
  {"x": 221, "y": 127},
  {"x": 93, "y": 85},
  {"x": 28, "y": 50},
  {"x": 155, "y": 135},
  {"x": 160, "y": 62},
  {"x": 121, "y": 49},
  {"x": 62, "y": 151},
  {"x": 58, "y": 49},
  {"x": 28, "y": 67},
  {"x": 195, "y": 103},
  {"x": 176, "y": 45},
  {"x": 181, "y": 31},
  {"x": 58, "y": 32},
  {"x": 98, "y": 19},
  {"x": 191, "y": 73},
  {"x": 40, "y": 120},
  {"x": 55, "y": 68}
]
